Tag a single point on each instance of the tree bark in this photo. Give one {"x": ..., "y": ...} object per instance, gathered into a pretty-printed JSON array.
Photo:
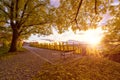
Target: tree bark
[{"x": 13, "y": 46}]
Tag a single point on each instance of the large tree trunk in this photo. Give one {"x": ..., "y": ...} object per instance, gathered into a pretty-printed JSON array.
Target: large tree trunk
[{"x": 13, "y": 46}]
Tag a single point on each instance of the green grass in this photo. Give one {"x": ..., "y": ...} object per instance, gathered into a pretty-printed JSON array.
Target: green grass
[
  {"x": 4, "y": 54},
  {"x": 86, "y": 68},
  {"x": 21, "y": 49},
  {"x": 3, "y": 50}
]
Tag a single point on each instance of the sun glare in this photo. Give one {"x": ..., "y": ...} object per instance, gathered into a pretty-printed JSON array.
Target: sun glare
[{"x": 93, "y": 36}]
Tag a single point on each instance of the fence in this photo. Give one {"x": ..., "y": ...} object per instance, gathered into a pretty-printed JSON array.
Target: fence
[{"x": 64, "y": 46}]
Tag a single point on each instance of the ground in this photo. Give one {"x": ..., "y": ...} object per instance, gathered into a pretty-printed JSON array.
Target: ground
[
  {"x": 114, "y": 57},
  {"x": 44, "y": 64}
]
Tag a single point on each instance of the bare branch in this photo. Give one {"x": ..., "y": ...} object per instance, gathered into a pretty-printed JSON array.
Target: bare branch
[
  {"x": 80, "y": 3},
  {"x": 76, "y": 23},
  {"x": 96, "y": 6},
  {"x": 16, "y": 7}
]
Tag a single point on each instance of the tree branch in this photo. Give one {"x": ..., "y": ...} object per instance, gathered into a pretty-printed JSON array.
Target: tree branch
[
  {"x": 16, "y": 9},
  {"x": 25, "y": 26},
  {"x": 28, "y": 14},
  {"x": 6, "y": 4},
  {"x": 23, "y": 13},
  {"x": 4, "y": 21},
  {"x": 26, "y": 32},
  {"x": 41, "y": 23},
  {"x": 4, "y": 12},
  {"x": 80, "y": 3},
  {"x": 96, "y": 6},
  {"x": 12, "y": 16},
  {"x": 25, "y": 19}
]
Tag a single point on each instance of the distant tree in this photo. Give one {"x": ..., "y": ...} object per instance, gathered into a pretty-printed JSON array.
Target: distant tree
[
  {"x": 111, "y": 39},
  {"x": 24, "y": 17}
]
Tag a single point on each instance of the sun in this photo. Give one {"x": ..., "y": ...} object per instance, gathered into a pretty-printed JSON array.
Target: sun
[{"x": 93, "y": 36}]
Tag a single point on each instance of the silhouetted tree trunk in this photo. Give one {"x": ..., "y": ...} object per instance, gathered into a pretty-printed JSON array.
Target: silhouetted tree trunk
[{"x": 13, "y": 46}]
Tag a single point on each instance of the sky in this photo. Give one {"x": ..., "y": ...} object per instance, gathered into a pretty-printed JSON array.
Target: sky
[
  {"x": 82, "y": 36},
  {"x": 70, "y": 35},
  {"x": 55, "y": 3}
]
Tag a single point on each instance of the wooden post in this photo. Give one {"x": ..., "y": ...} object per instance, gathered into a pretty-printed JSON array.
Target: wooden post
[
  {"x": 73, "y": 46},
  {"x": 67, "y": 46},
  {"x": 63, "y": 46}
]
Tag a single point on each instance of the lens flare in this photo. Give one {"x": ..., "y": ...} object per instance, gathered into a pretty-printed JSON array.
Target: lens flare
[{"x": 93, "y": 36}]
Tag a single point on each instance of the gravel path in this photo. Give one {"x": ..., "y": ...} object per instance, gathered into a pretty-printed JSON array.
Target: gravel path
[
  {"x": 24, "y": 65},
  {"x": 50, "y": 56},
  {"x": 21, "y": 66}
]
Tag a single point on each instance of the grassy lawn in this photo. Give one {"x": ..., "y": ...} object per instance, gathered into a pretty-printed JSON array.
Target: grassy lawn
[
  {"x": 3, "y": 50},
  {"x": 21, "y": 49},
  {"x": 4, "y": 53},
  {"x": 86, "y": 68}
]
